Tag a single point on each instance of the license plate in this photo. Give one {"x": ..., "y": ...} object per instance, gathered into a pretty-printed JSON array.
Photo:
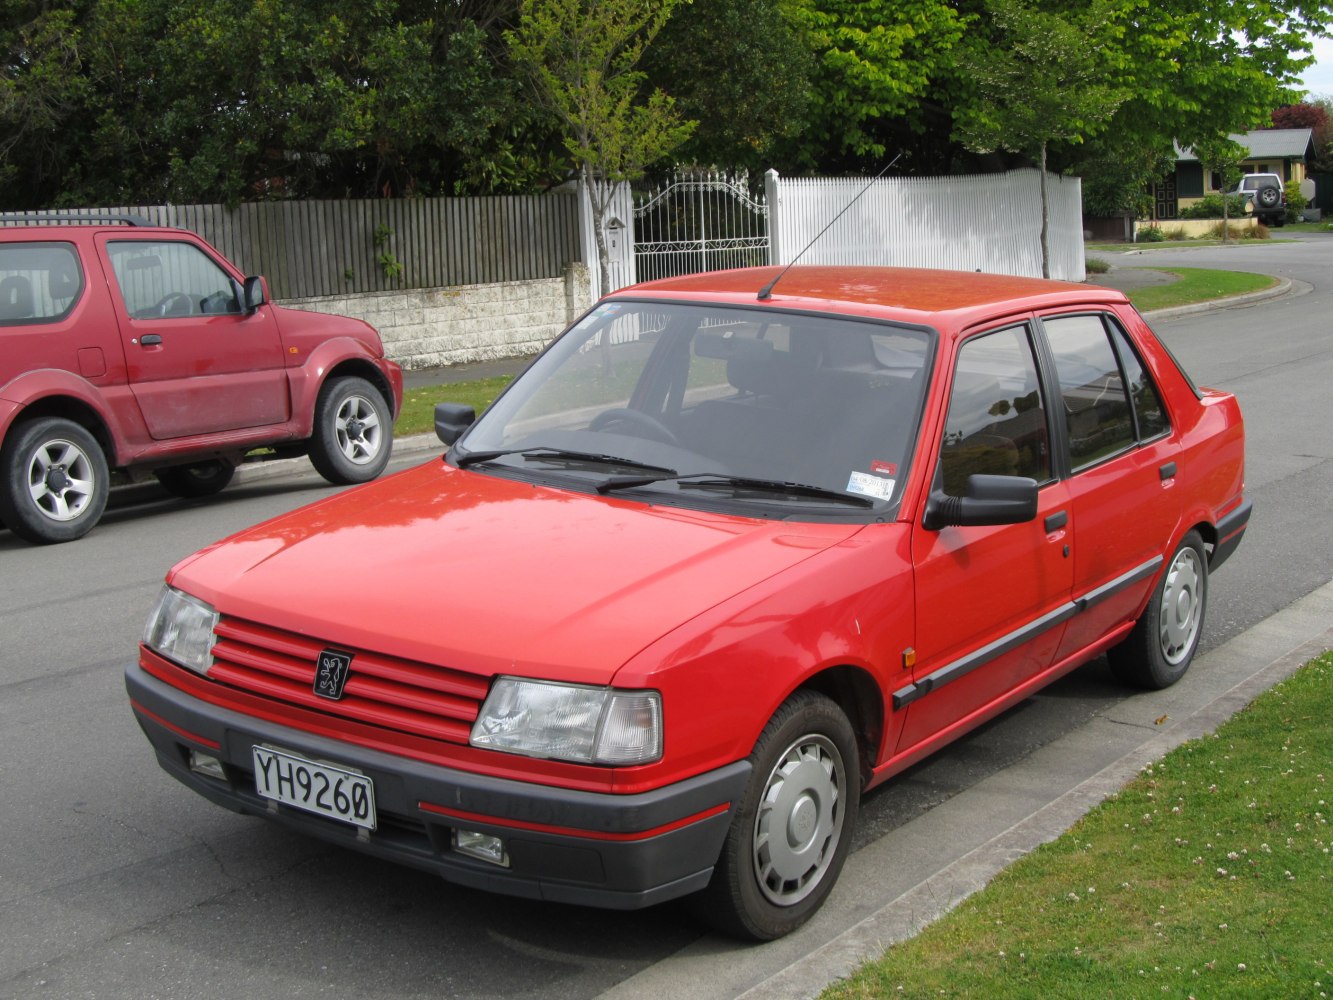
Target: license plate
[{"x": 317, "y": 788}]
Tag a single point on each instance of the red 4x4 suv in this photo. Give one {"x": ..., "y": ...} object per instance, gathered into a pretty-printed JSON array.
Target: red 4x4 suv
[{"x": 133, "y": 347}]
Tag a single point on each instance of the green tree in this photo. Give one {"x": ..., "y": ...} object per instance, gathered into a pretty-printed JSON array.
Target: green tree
[
  {"x": 877, "y": 60},
  {"x": 582, "y": 57},
  {"x": 1041, "y": 80},
  {"x": 741, "y": 69},
  {"x": 1222, "y": 155}
]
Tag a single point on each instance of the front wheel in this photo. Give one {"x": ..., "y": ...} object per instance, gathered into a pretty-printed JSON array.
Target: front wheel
[
  {"x": 1159, "y": 650},
  {"x": 792, "y": 830},
  {"x": 353, "y": 431},
  {"x": 56, "y": 481}
]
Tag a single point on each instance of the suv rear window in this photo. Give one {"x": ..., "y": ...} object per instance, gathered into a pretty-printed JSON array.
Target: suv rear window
[{"x": 39, "y": 282}]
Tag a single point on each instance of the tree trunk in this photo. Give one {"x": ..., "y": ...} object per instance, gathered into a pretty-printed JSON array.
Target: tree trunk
[{"x": 1045, "y": 221}]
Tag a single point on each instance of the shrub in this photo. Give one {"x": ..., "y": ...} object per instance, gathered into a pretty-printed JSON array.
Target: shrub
[
  {"x": 1210, "y": 207},
  {"x": 1095, "y": 265},
  {"x": 1294, "y": 200},
  {"x": 1151, "y": 234}
]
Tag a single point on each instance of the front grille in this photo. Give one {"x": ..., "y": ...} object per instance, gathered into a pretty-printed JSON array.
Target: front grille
[{"x": 403, "y": 695}]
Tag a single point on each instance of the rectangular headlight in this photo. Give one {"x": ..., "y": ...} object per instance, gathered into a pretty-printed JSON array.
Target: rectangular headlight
[
  {"x": 180, "y": 627},
  {"x": 587, "y": 725}
]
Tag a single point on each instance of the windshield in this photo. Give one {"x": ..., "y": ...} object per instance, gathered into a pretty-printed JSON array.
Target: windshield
[{"x": 713, "y": 404}]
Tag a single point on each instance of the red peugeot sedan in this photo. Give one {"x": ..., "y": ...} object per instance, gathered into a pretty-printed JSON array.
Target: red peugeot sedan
[{"x": 722, "y": 559}]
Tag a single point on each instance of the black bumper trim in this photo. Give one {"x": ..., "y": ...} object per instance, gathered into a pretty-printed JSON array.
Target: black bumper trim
[
  {"x": 1230, "y": 530},
  {"x": 615, "y": 870}
]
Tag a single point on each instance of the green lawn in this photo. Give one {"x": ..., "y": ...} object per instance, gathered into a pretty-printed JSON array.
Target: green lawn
[
  {"x": 1209, "y": 875},
  {"x": 1197, "y": 284},
  {"x": 418, "y": 413}
]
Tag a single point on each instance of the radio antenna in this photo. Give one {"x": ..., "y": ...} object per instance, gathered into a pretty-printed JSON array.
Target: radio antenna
[{"x": 766, "y": 292}]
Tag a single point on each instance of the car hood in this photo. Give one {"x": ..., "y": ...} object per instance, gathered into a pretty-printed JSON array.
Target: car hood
[{"x": 491, "y": 575}]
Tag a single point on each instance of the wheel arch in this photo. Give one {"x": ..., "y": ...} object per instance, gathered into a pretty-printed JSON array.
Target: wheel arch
[
  {"x": 69, "y": 408},
  {"x": 362, "y": 368},
  {"x": 854, "y": 690}
]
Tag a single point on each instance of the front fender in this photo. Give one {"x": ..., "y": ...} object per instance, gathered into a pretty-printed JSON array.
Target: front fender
[{"x": 343, "y": 355}]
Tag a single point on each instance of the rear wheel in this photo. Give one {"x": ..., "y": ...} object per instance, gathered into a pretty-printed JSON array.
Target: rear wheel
[
  {"x": 55, "y": 483},
  {"x": 1159, "y": 650},
  {"x": 202, "y": 479},
  {"x": 792, "y": 830},
  {"x": 353, "y": 431}
]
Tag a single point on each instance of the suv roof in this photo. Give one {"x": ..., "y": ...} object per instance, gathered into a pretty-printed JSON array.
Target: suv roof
[{"x": 72, "y": 218}]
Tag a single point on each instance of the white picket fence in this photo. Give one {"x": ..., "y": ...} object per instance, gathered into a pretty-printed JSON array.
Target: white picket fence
[{"x": 988, "y": 222}]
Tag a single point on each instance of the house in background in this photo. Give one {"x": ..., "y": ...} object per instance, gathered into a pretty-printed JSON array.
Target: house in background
[{"x": 1281, "y": 151}]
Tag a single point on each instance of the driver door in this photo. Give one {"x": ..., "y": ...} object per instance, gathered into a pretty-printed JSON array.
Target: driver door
[{"x": 194, "y": 361}]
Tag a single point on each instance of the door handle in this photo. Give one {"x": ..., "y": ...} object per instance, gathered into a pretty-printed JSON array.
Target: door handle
[
  {"x": 1167, "y": 471},
  {"x": 149, "y": 339},
  {"x": 1056, "y": 521}
]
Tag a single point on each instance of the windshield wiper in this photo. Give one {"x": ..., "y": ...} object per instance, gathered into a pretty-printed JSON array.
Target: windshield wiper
[
  {"x": 545, "y": 451},
  {"x": 714, "y": 480}
]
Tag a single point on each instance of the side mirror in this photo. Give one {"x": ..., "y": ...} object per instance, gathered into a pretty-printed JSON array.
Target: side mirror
[
  {"x": 253, "y": 294},
  {"x": 452, "y": 419},
  {"x": 990, "y": 500}
]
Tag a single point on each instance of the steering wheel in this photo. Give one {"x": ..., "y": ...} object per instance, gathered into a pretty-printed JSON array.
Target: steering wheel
[
  {"x": 649, "y": 426},
  {"x": 173, "y": 304}
]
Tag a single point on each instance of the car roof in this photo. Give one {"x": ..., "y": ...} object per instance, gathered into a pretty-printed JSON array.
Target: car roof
[{"x": 936, "y": 298}]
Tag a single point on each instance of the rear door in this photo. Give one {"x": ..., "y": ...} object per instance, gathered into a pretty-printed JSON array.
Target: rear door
[
  {"x": 1123, "y": 465},
  {"x": 196, "y": 363}
]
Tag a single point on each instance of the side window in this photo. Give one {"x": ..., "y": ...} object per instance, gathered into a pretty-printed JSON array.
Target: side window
[
  {"x": 1149, "y": 414},
  {"x": 39, "y": 282},
  {"x": 1096, "y": 408},
  {"x": 997, "y": 417},
  {"x": 162, "y": 279}
]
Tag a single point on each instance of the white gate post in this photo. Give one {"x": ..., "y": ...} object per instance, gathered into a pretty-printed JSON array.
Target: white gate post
[
  {"x": 619, "y": 236},
  {"x": 774, "y": 215}
]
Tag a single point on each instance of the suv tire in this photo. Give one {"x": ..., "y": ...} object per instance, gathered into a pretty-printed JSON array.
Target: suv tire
[
  {"x": 55, "y": 481},
  {"x": 201, "y": 479},
  {"x": 353, "y": 432}
]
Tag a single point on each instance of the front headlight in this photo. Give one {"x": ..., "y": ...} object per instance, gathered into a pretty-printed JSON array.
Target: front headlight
[
  {"x": 588, "y": 725},
  {"x": 180, "y": 627}
]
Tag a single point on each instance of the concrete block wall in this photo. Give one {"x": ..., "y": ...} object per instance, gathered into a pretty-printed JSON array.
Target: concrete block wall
[{"x": 428, "y": 327}]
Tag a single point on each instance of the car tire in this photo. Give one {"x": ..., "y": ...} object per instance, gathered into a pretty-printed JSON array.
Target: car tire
[
  {"x": 792, "y": 829},
  {"x": 1159, "y": 650},
  {"x": 353, "y": 432},
  {"x": 202, "y": 479},
  {"x": 1267, "y": 197},
  {"x": 56, "y": 481}
]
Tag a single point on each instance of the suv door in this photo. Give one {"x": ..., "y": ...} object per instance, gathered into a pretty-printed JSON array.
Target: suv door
[
  {"x": 990, "y": 601},
  {"x": 1122, "y": 471},
  {"x": 196, "y": 363}
]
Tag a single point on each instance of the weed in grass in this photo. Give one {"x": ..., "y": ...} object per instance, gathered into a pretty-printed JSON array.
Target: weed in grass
[{"x": 1207, "y": 876}]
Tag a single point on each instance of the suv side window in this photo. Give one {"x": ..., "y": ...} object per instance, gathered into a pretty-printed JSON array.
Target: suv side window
[
  {"x": 1098, "y": 414},
  {"x": 39, "y": 282},
  {"x": 997, "y": 417},
  {"x": 162, "y": 279}
]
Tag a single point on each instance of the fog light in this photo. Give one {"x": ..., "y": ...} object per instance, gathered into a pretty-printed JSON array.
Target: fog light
[
  {"x": 207, "y": 765},
  {"x": 481, "y": 846}
]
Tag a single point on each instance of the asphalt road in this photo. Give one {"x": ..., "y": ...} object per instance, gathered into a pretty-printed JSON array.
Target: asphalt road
[{"x": 117, "y": 882}]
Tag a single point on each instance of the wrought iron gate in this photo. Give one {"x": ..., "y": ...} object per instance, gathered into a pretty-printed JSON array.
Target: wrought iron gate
[{"x": 699, "y": 222}]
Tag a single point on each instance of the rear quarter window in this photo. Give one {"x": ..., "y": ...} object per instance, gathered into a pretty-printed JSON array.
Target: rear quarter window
[{"x": 39, "y": 282}]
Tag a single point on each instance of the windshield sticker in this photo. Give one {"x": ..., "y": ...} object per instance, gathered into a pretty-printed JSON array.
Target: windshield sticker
[
  {"x": 884, "y": 468},
  {"x": 870, "y": 486}
]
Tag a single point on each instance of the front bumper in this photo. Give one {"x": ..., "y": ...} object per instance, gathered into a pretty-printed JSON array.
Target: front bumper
[{"x": 593, "y": 849}]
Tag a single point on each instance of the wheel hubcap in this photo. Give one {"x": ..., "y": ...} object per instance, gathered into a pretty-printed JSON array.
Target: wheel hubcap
[
  {"x": 1182, "y": 605},
  {"x": 60, "y": 480},
  {"x": 799, "y": 821},
  {"x": 358, "y": 430}
]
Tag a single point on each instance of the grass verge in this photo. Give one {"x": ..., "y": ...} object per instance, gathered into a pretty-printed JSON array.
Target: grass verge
[
  {"x": 1198, "y": 284},
  {"x": 1207, "y": 876},
  {"x": 418, "y": 413}
]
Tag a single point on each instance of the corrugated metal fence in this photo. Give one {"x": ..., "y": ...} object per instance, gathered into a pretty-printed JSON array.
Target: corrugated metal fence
[
  {"x": 314, "y": 248},
  {"x": 988, "y": 222}
]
